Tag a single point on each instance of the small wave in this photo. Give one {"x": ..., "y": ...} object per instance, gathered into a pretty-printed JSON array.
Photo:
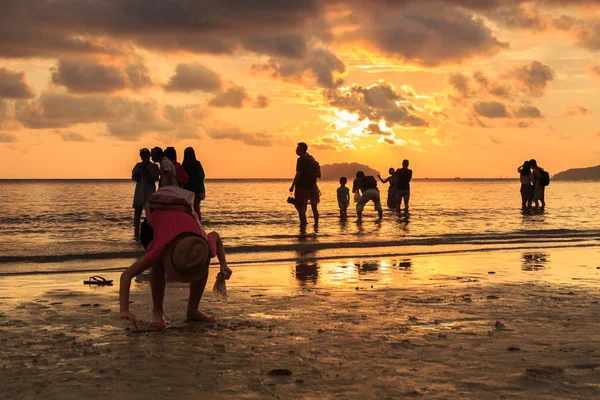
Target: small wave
[{"x": 562, "y": 236}]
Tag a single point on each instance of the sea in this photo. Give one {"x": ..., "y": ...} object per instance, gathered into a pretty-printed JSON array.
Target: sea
[{"x": 47, "y": 222}]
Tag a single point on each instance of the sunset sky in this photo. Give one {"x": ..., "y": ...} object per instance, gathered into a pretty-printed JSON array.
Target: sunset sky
[{"x": 466, "y": 88}]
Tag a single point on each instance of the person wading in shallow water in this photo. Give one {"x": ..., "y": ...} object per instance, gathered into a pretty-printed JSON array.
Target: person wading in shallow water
[
  {"x": 403, "y": 177},
  {"x": 392, "y": 179},
  {"x": 539, "y": 183},
  {"x": 145, "y": 174},
  {"x": 304, "y": 185},
  {"x": 369, "y": 193}
]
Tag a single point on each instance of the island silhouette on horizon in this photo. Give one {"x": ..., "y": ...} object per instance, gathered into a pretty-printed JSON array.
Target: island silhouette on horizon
[
  {"x": 579, "y": 174},
  {"x": 337, "y": 170}
]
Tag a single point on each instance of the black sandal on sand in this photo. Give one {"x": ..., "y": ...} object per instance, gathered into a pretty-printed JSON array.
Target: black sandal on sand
[{"x": 98, "y": 280}]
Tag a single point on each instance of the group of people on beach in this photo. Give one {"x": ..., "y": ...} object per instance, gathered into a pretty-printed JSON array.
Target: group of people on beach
[
  {"x": 364, "y": 188},
  {"x": 534, "y": 180},
  {"x": 180, "y": 249},
  {"x": 162, "y": 167}
]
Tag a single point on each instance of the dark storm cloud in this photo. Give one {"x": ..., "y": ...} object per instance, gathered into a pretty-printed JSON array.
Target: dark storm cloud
[
  {"x": 258, "y": 139},
  {"x": 13, "y": 85},
  {"x": 72, "y": 26},
  {"x": 491, "y": 109},
  {"x": 533, "y": 78},
  {"x": 291, "y": 46},
  {"x": 194, "y": 77},
  {"x": 91, "y": 77},
  {"x": 80, "y": 77},
  {"x": 377, "y": 102},
  {"x": 238, "y": 97},
  {"x": 526, "y": 111},
  {"x": 233, "y": 97},
  {"x": 320, "y": 65},
  {"x": 125, "y": 119},
  {"x": 428, "y": 34}
]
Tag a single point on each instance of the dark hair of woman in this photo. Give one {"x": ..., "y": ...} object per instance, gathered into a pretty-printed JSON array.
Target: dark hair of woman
[
  {"x": 526, "y": 169},
  {"x": 189, "y": 158}
]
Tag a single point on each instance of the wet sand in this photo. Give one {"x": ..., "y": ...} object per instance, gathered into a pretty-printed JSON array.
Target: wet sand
[{"x": 476, "y": 329}]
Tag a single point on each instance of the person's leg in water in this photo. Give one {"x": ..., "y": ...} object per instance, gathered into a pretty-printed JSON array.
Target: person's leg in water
[
  {"x": 377, "y": 201},
  {"x": 197, "y": 288},
  {"x": 315, "y": 212},
  {"x": 301, "y": 195},
  {"x": 406, "y": 200},
  {"x": 137, "y": 216},
  {"x": 543, "y": 197},
  {"x": 197, "y": 200},
  {"x": 157, "y": 284},
  {"x": 360, "y": 206},
  {"x": 524, "y": 196}
]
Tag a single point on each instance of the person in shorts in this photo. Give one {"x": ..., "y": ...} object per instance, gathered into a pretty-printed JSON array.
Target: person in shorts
[
  {"x": 145, "y": 174},
  {"x": 403, "y": 177},
  {"x": 343, "y": 198},
  {"x": 369, "y": 193},
  {"x": 304, "y": 185},
  {"x": 180, "y": 251}
]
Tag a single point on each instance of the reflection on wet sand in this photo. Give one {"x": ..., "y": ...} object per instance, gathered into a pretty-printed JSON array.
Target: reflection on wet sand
[
  {"x": 534, "y": 261},
  {"x": 307, "y": 273}
]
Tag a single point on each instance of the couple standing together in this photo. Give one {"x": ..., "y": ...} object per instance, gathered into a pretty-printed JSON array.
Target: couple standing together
[
  {"x": 533, "y": 184},
  {"x": 188, "y": 175}
]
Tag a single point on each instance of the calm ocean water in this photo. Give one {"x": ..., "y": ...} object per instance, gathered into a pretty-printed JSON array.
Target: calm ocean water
[{"x": 73, "y": 219}]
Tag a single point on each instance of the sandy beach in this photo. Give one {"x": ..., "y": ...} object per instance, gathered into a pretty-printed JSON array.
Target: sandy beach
[{"x": 372, "y": 329}]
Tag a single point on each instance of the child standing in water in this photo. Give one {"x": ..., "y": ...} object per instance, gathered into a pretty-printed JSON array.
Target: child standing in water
[{"x": 343, "y": 196}]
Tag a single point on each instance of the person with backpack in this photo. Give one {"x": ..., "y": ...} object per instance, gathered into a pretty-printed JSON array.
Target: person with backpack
[
  {"x": 181, "y": 175},
  {"x": 541, "y": 179},
  {"x": 304, "y": 185}
]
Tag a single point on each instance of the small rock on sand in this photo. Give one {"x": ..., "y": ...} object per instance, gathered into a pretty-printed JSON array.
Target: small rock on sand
[
  {"x": 514, "y": 348},
  {"x": 499, "y": 325},
  {"x": 280, "y": 372}
]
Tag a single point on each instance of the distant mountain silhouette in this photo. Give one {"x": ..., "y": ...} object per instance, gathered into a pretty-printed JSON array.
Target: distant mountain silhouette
[
  {"x": 336, "y": 171},
  {"x": 579, "y": 174}
]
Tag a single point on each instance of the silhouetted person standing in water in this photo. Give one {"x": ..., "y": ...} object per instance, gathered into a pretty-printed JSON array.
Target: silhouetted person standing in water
[
  {"x": 403, "y": 177},
  {"x": 145, "y": 174},
  {"x": 539, "y": 187},
  {"x": 392, "y": 179},
  {"x": 196, "y": 176},
  {"x": 304, "y": 185},
  {"x": 526, "y": 184},
  {"x": 369, "y": 193}
]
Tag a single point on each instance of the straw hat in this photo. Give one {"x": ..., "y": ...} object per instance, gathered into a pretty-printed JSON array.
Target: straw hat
[{"x": 186, "y": 257}]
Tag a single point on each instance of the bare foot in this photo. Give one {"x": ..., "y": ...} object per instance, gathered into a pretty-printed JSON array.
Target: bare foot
[
  {"x": 158, "y": 319},
  {"x": 200, "y": 316}
]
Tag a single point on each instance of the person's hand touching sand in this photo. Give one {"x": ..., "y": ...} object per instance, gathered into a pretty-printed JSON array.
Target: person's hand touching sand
[{"x": 128, "y": 315}]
